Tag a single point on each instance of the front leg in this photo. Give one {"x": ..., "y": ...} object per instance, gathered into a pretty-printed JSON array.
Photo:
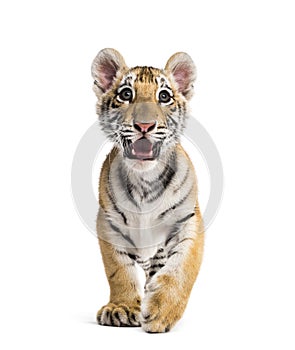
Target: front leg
[
  {"x": 168, "y": 290},
  {"x": 123, "y": 308}
]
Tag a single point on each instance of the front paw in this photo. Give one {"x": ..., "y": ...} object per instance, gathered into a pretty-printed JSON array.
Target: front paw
[
  {"x": 120, "y": 315},
  {"x": 163, "y": 305}
]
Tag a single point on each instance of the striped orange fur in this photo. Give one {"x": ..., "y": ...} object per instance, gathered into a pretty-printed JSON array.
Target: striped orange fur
[{"x": 149, "y": 213}]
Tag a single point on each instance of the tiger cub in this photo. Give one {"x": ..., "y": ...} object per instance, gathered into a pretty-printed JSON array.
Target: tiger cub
[{"x": 149, "y": 213}]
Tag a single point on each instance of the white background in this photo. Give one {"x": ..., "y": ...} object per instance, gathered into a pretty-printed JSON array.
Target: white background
[{"x": 52, "y": 280}]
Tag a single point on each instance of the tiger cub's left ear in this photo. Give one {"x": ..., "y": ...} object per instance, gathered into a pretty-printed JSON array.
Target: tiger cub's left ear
[{"x": 183, "y": 71}]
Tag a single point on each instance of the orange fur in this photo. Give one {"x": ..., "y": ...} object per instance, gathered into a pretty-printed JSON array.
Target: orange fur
[{"x": 172, "y": 265}]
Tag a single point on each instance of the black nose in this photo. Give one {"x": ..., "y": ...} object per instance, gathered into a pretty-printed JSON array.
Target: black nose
[{"x": 145, "y": 127}]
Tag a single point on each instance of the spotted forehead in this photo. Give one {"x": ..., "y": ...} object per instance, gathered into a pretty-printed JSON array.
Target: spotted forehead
[{"x": 145, "y": 75}]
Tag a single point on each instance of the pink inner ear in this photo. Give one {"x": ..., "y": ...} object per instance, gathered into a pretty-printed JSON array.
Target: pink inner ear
[
  {"x": 181, "y": 75},
  {"x": 107, "y": 72}
]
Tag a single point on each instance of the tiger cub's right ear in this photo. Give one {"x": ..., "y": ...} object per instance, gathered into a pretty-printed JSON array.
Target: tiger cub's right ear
[{"x": 104, "y": 69}]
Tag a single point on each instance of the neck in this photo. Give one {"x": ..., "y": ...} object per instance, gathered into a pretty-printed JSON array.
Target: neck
[
  {"x": 150, "y": 169},
  {"x": 145, "y": 181}
]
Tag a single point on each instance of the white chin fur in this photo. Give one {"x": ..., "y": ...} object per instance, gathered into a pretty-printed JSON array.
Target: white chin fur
[{"x": 141, "y": 165}]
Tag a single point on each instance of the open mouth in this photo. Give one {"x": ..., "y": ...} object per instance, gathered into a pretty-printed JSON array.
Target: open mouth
[{"x": 141, "y": 149}]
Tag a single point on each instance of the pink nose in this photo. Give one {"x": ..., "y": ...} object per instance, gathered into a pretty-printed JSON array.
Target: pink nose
[{"x": 145, "y": 127}]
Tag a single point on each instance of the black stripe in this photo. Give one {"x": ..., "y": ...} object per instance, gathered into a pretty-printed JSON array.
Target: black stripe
[
  {"x": 159, "y": 257},
  {"x": 126, "y": 237},
  {"x": 114, "y": 273},
  {"x": 114, "y": 104},
  {"x": 119, "y": 268},
  {"x": 169, "y": 238},
  {"x": 165, "y": 178},
  {"x": 178, "y": 242},
  {"x": 152, "y": 273},
  {"x": 157, "y": 266},
  {"x": 172, "y": 119},
  {"x": 108, "y": 103},
  {"x": 115, "y": 116},
  {"x": 132, "y": 256},
  {"x": 115, "y": 228},
  {"x": 121, "y": 252},
  {"x": 185, "y": 218},
  {"x": 160, "y": 133},
  {"x": 175, "y": 205},
  {"x": 125, "y": 83},
  {"x": 142, "y": 261},
  {"x": 185, "y": 239},
  {"x": 130, "y": 189},
  {"x": 171, "y": 254},
  {"x": 179, "y": 108},
  {"x": 124, "y": 218},
  {"x": 169, "y": 176},
  {"x": 173, "y": 234},
  {"x": 183, "y": 181},
  {"x": 103, "y": 108},
  {"x": 147, "y": 182},
  {"x": 126, "y": 185},
  {"x": 115, "y": 206},
  {"x": 143, "y": 192}
]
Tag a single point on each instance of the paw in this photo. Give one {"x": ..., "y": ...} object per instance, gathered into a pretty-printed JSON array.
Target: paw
[
  {"x": 119, "y": 315},
  {"x": 157, "y": 325},
  {"x": 158, "y": 315},
  {"x": 163, "y": 304}
]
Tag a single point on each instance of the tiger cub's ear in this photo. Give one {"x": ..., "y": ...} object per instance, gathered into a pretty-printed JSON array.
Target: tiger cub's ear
[
  {"x": 104, "y": 69},
  {"x": 183, "y": 70}
]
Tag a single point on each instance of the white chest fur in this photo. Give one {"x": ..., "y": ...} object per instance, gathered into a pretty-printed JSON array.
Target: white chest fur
[{"x": 145, "y": 213}]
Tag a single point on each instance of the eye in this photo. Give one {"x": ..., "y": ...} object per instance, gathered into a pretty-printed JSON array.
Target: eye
[
  {"x": 125, "y": 94},
  {"x": 164, "y": 96}
]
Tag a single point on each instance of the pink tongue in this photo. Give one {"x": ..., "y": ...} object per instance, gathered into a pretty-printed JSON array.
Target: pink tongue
[{"x": 142, "y": 146}]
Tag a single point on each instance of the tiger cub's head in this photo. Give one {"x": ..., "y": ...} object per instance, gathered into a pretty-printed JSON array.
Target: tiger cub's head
[{"x": 142, "y": 109}]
